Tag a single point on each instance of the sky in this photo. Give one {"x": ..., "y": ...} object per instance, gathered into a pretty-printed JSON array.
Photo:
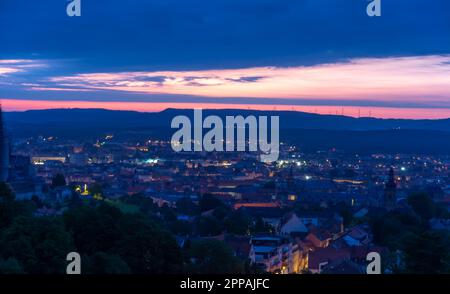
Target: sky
[{"x": 323, "y": 56}]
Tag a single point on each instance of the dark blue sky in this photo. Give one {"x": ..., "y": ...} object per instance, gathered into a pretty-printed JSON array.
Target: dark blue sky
[
  {"x": 187, "y": 34},
  {"x": 176, "y": 35}
]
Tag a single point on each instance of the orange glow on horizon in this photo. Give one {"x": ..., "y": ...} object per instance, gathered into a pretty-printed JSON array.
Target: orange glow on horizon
[{"x": 354, "y": 111}]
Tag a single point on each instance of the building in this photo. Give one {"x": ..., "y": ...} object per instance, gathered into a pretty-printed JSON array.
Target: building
[
  {"x": 292, "y": 225},
  {"x": 323, "y": 257},
  {"x": 17, "y": 169},
  {"x": 4, "y": 150},
  {"x": 274, "y": 254},
  {"x": 390, "y": 190}
]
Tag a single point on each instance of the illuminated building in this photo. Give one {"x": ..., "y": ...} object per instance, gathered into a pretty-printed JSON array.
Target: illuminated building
[{"x": 41, "y": 160}]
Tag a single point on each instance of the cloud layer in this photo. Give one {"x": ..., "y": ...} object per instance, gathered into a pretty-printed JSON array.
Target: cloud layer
[{"x": 421, "y": 79}]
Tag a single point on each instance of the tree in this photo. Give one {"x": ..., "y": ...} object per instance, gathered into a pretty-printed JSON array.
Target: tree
[
  {"x": 37, "y": 201},
  {"x": 167, "y": 213},
  {"x": 7, "y": 205},
  {"x": 238, "y": 223},
  {"x": 208, "y": 226},
  {"x": 6, "y": 194},
  {"x": 145, "y": 204},
  {"x": 146, "y": 248},
  {"x": 58, "y": 181},
  {"x": 132, "y": 238},
  {"x": 93, "y": 229},
  {"x": 96, "y": 189},
  {"x": 427, "y": 253},
  {"x": 422, "y": 204},
  {"x": 106, "y": 263},
  {"x": 10, "y": 266},
  {"x": 393, "y": 228},
  {"x": 75, "y": 201},
  {"x": 212, "y": 256},
  {"x": 40, "y": 245},
  {"x": 208, "y": 202},
  {"x": 221, "y": 212},
  {"x": 179, "y": 227},
  {"x": 186, "y": 206}
]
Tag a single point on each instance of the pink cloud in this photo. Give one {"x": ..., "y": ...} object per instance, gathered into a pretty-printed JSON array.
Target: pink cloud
[
  {"x": 398, "y": 79},
  {"x": 8, "y": 70},
  {"x": 11, "y": 66}
]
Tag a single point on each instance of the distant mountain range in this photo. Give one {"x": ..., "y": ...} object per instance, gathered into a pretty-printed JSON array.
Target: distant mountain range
[
  {"x": 288, "y": 119},
  {"x": 311, "y": 132}
]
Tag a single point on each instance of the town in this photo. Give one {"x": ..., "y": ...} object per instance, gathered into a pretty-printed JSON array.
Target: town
[
  {"x": 214, "y": 140},
  {"x": 229, "y": 212}
]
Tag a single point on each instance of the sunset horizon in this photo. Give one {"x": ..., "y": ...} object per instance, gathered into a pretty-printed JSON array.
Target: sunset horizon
[
  {"x": 16, "y": 105},
  {"x": 337, "y": 62},
  {"x": 392, "y": 87}
]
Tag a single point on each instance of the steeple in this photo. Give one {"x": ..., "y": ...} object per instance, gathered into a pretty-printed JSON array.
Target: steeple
[
  {"x": 390, "y": 189},
  {"x": 290, "y": 179},
  {"x": 391, "y": 177},
  {"x": 4, "y": 150}
]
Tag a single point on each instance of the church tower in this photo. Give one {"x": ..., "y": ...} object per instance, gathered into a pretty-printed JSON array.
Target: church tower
[
  {"x": 4, "y": 150},
  {"x": 290, "y": 179},
  {"x": 390, "y": 189}
]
